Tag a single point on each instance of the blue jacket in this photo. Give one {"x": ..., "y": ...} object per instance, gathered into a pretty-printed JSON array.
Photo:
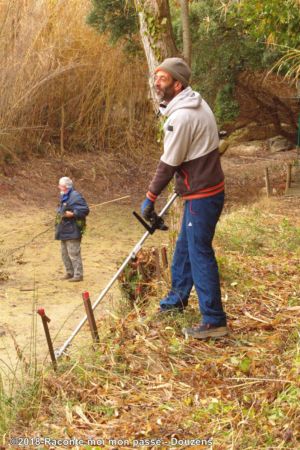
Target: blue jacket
[{"x": 71, "y": 228}]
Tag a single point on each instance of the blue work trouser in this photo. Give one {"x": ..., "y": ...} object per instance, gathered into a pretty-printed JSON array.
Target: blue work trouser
[{"x": 194, "y": 261}]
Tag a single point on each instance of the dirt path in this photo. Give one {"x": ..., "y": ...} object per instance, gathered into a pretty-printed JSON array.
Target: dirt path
[{"x": 34, "y": 273}]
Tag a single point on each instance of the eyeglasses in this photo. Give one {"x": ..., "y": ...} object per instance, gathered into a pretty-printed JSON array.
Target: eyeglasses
[{"x": 166, "y": 77}]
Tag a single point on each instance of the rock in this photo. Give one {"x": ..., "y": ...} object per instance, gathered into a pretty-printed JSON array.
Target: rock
[
  {"x": 238, "y": 135},
  {"x": 252, "y": 148},
  {"x": 252, "y": 131},
  {"x": 223, "y": 145},
  {"x": 279, "y": 144}
]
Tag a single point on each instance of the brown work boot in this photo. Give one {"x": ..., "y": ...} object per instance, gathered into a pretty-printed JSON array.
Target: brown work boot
[
  {"x": 205, "y": 331},
  {"x": 67, "y": 276},
  {"x": 75, "y": 279}
]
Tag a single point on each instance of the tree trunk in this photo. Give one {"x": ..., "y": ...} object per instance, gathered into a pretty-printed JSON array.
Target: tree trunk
[
  {"x": 186, "y": 33},
  {"x": 156, "y": 34}
]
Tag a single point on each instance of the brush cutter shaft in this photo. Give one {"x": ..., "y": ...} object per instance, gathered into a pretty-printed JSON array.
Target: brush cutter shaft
[{"x": 131, "y": 256}]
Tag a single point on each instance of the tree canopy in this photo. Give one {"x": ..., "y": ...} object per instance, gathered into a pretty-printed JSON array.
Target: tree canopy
[{"x": 228, "y": 37}]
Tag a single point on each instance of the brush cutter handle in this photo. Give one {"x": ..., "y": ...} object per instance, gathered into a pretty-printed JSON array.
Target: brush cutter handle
[
  {"x": 60, "y": 351},
  {"x": 156, "y": 222}
]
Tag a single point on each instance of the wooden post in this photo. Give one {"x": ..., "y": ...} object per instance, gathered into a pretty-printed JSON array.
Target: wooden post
[
  {"x": 90, "y": 316},
  {"x": 45, "y": 321},
  {"x": 164, "y": 257},
  {"x": 157, "y": 265},
  {"x": 288, "y": 177},
  {"x": 267, "y": 180}
]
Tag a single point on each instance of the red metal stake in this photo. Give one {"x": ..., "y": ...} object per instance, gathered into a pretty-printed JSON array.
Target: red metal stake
[
  {"x": 45, "y": 321},
  {"x": 90, "y": 316}
]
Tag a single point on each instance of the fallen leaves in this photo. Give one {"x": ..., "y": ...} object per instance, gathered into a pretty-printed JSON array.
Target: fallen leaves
[{"x": 144, "y": 380}]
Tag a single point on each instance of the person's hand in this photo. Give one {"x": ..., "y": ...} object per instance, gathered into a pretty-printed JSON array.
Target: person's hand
[
  {"x": 68, "y": 214},
  {"x": 147, "y": 208}
]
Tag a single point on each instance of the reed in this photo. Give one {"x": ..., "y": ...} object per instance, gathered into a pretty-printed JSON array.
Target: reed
[{"x": 63, "y": 87}]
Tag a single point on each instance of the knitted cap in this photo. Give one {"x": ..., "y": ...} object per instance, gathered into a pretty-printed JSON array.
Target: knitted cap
[
  {"x": 178, "y": 68},
  {"x": 66, "y": 181}
]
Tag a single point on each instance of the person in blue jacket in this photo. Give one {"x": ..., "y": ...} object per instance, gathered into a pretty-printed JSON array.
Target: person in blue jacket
[{"x": 69, "y": 228}]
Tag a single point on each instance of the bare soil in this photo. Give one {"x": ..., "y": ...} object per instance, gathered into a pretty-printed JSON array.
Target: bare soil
[{"x": 31, "y": 267}]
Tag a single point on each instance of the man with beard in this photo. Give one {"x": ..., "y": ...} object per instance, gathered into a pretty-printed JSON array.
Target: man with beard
[{"x": 191, "y": 155}]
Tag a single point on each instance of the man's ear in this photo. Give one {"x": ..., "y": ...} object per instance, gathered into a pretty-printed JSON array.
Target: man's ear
[{"x": 178, "y": 86}]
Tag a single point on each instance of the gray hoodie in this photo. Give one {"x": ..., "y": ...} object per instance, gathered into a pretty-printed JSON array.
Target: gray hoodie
[{"x": 190, "y": 148}]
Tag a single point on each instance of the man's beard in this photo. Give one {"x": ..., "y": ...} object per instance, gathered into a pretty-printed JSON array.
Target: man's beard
[{"x": 166, "y": 94}]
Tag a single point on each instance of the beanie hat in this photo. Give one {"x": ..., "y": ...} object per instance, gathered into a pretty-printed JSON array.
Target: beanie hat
[
  {"x": 66, "y": 181},
  {"x": 178, "y": 68}
]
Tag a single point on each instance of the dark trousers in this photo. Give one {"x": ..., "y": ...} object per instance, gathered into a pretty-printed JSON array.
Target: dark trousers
[{"x": 194, "y": 262}]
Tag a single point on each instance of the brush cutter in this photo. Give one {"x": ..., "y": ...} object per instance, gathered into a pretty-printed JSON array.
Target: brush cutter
[{"x": 156, "y": 223}]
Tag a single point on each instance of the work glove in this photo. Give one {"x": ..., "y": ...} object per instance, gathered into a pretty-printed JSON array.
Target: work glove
[{"x": 147, "y": 208}]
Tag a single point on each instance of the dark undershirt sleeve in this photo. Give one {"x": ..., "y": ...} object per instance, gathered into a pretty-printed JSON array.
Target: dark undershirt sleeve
[{"x": 164, "y": 173}]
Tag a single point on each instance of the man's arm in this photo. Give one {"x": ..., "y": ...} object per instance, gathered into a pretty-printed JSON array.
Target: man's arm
[
  {"x": 163, "y": 175},
  {"x": 80, "y": 208},
  {"x": 177, "y": 141}
]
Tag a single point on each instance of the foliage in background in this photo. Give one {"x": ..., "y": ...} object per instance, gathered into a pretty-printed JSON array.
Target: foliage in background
[
  {"x": 274, "y": 24},
  {"x": 118, "y": 18},
  {"x": 64, "y": 88},
  {"x": 270, "y": 21},
  {"x": 221, "y": 51},
  {"x": 290, "y": 65},
  {"x": 227, "y": 38},
  {"x": 230, "y": 37}
]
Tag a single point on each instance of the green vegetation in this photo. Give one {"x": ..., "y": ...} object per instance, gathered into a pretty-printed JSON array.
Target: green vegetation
[
  {"x": 220, "y": 52},
  {"x": 118, "y": 19},
  {"x": 144, "y": 380},
  {"x": 227, "y": 38},
  {"x": 269, "y": 21}
]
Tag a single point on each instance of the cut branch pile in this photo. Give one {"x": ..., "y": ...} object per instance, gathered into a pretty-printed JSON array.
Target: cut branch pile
[{"x": 139, "y": 280}]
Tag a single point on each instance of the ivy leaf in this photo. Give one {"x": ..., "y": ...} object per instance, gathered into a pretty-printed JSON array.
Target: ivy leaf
[{"x": 245, "y": 365}]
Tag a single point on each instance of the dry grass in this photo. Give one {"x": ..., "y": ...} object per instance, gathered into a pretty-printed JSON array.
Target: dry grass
[
  {"x": 291, "y": 59},
  {"x": 63, "y": 88},
  {"x": 146, "y": 381}
]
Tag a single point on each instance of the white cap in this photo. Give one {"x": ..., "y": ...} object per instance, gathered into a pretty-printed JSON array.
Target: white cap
[{"x": 66, "y": 181}]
